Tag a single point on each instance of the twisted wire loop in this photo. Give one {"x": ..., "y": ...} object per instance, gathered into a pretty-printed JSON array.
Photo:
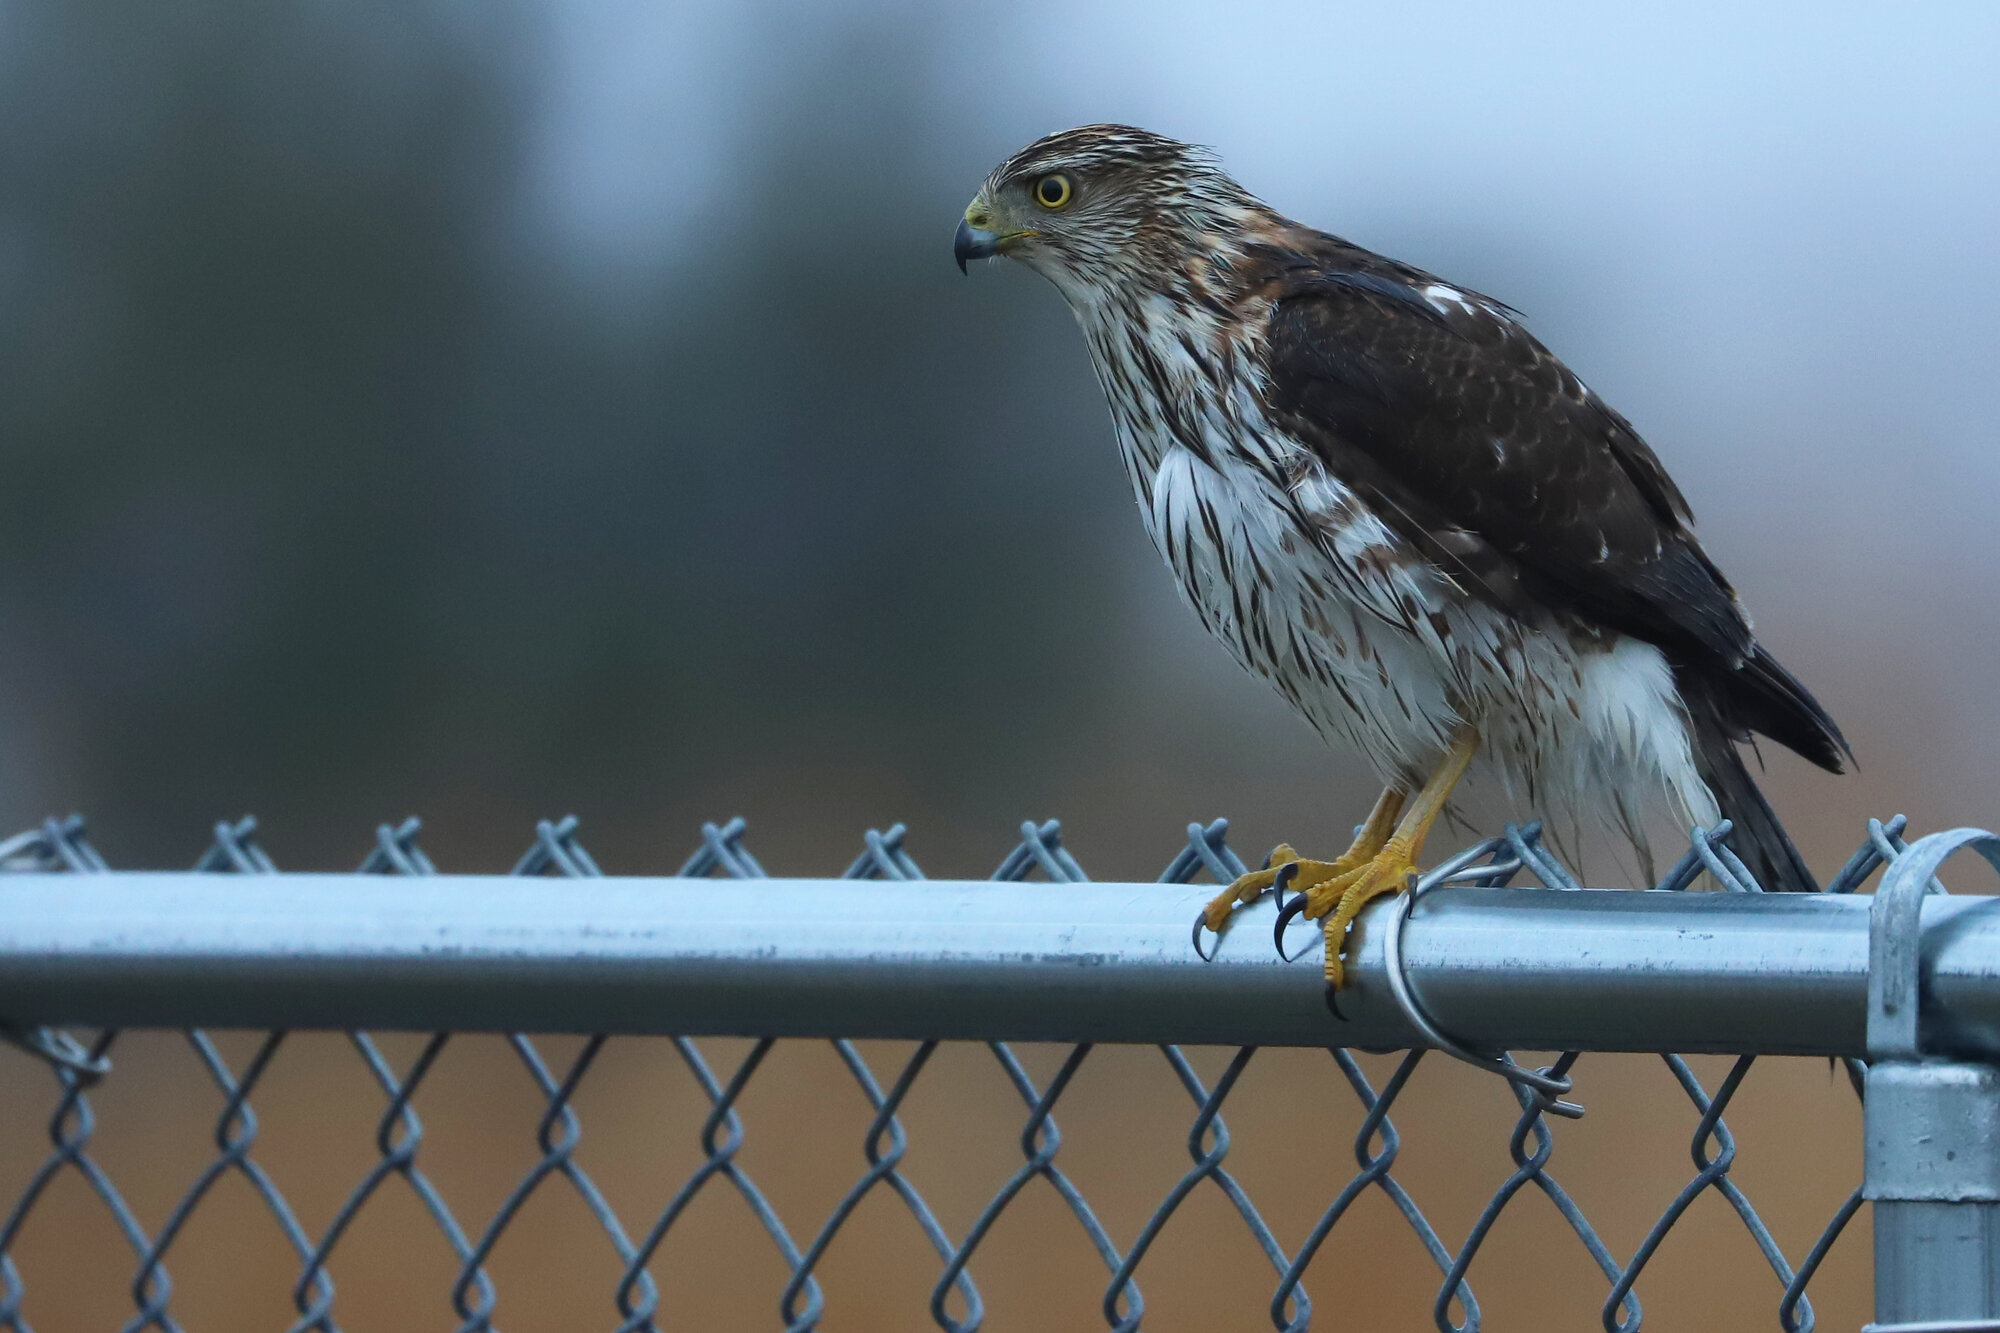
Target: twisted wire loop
[
  {"x": 399, "y": 1132},
  {"x": 955, "y": 1303},
  {"x": 235, "y": 1134},
  {"x": 236, "y": 851},
  {"x": 1883, "y": 847},
  {"x": 1040, "y": 1141},
  {"x": 885, "y": 1143},
  {"x": 1532, "y": 1167},
  {"x": 1712, "y": 1172},
  {"x": 1040, "y": 849},
  {"x": 1790, "y": 1317},
  {"x": 557, "y": 1133},
  {"x": 1206, "y": 851},
  {"x": 70, "y": 1131},
  {"x": 1493, "y": 863},
  {"x": 1208, "y": 1144},
  {"x": 58, "y": 845},
  {"x": 1375, "y": 1167},
  {"x": 721, "y": 853}
]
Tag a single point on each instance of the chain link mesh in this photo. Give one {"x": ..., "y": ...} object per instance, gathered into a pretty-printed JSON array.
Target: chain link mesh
[{"x": 955, "y": 1302}]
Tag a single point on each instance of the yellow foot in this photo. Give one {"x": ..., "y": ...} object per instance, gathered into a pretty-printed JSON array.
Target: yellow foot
[
  {"x": 1300, "y": 873},
  {"x": 1249, "y": 887},
  {"x": 1340, "y": 898}
]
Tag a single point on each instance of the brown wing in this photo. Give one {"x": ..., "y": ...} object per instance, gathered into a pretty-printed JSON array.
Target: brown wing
[{"x": 1471, "y": 439}]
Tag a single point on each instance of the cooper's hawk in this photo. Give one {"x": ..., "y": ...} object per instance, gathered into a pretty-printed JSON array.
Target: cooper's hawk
[{"x": 1389, "y": 500}]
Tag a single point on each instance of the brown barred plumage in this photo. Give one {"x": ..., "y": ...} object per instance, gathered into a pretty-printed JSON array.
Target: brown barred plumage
[{"x": 1388, "y": 499}]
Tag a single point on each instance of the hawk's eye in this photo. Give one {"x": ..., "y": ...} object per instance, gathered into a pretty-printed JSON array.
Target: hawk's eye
[{"x": 1052, "y": 191}]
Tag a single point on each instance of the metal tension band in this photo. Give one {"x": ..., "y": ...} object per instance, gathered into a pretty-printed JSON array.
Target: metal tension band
[
  {"x": 1706, "y": 851},
  {"x": 1543, "y": 1090},
  {"x": 1895, "y": 933}
]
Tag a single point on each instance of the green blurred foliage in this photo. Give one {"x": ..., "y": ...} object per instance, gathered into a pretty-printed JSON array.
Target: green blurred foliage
[{"x": 335, "y": 497}]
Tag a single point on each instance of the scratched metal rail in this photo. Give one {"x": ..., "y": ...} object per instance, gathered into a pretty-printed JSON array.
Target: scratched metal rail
[{"x": 1037, "y": 952}]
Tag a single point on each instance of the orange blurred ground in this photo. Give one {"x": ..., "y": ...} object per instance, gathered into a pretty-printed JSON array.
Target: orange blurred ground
[{"x": 1124, "y": 1123}]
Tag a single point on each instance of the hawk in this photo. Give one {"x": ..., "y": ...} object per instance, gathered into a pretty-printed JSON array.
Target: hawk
[{"x": 1389, "y": 500}]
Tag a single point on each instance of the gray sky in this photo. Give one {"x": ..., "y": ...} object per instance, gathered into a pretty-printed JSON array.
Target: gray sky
[{"x": 1766, "y": 232}]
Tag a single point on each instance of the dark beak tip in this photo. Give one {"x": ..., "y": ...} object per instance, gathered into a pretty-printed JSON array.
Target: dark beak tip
[
  {"x": 970, "y": 243},
  {"x": 962, "y": 244}
]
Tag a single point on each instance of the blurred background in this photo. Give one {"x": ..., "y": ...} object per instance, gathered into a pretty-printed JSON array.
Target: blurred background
[{"x": 496, "y": 411}]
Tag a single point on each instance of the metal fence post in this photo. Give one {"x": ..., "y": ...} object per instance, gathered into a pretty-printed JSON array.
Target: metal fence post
[{"x": 1933, "y": 1128}]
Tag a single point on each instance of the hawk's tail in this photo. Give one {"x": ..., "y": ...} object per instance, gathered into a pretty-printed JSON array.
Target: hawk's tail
[{"x": 1759, "y": 839}]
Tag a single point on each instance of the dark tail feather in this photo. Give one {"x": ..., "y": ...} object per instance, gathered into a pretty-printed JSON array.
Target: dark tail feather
[
  {"x": 1758, "y": 839},
  {"x": 1765, "y": 697}
]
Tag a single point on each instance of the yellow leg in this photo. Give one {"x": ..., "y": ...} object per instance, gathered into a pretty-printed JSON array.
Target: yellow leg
[
  {"x": 1340, "y": 898},
  {"x": 1249, "y": 887}
]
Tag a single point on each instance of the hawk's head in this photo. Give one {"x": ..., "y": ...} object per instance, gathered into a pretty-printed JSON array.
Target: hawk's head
[{"x": 1105, "y": 208}]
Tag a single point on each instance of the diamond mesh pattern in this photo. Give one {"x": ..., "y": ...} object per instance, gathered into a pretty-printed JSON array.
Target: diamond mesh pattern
[{"x": 955, "y": 1301}]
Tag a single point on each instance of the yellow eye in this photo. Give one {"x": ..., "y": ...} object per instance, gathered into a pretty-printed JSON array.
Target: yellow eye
[{"x": 1052, "y": 191}]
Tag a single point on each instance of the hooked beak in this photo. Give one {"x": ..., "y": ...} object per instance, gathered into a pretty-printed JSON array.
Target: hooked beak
[{"x": 973, "y": 243}]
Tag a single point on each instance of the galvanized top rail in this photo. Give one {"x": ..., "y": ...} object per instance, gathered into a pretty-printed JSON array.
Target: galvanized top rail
[
  {"x": 1462, "y": 964},
  {"x": 1082, "y": 961}
]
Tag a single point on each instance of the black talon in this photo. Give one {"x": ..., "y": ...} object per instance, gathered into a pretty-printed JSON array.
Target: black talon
[
  {"x": 1200, "y": 920},
  {"x": 1287, "y": 872},
  {"x": 1285, "y": 917},
  {"x": 1333, "y": 1001}
]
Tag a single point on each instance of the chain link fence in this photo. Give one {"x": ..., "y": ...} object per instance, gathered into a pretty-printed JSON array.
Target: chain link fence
[{"x": 80, "y": 1068}]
